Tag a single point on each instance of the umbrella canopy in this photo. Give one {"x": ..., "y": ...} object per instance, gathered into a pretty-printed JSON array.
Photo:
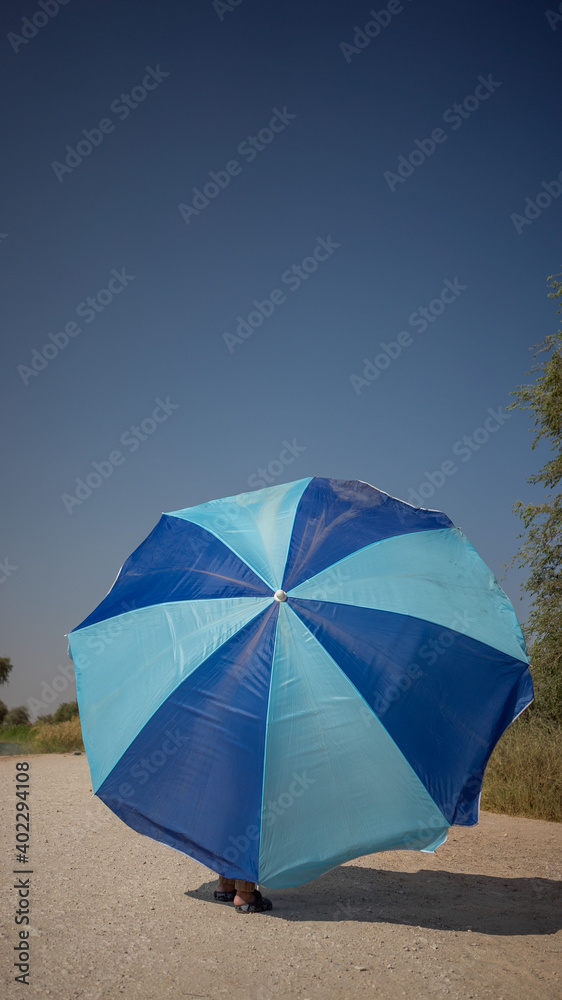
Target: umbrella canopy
[{"x": 281, "y": 681}]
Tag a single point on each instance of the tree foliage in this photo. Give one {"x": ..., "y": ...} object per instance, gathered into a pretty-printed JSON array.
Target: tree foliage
[
  {"x": 3, "y": 711},
  {"x": 17, "y": 716},
  {"x": 541, "y": 550},
  {"x": 65, "y": 712},
  {"x": 5, "y": 667}
]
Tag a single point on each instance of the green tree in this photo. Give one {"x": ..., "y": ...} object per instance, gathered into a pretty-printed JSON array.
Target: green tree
[
  {"x": 17, "y": 716},
  {"x": 541, "y": 550},
  {"x": 3, "y": 711},
  {"x": 5, "y": 667},
  {"x": 66, "y": 711}
]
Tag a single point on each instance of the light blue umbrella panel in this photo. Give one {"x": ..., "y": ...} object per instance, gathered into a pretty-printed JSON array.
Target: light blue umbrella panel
[{"x": 281, "y": 681}]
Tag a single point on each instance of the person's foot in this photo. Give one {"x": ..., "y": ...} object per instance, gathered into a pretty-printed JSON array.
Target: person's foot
[
  {"x": 251, "y": 902},
  {"x": 223, "y": 886},
  {"x": 224, "y": 893},
  {"x": 243, "y": 897}
]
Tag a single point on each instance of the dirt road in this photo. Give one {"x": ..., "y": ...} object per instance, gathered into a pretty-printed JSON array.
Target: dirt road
[{"x": 115, "y": 914}]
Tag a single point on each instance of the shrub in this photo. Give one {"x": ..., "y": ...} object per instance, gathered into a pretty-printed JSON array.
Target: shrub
[
  {"x": 58, "y": 737},
  {"x": 3, "y": 711},
  {"x": 65, "y": 712},
  {"x": 17, "y": 716},
  {"x": 524, "y": 775},
  {"x": 18, "y": 734}
]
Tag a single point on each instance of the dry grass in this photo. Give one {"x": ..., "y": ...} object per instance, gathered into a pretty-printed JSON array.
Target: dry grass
[
  {"x": 58, "y": 737},
  {"x": 524, "y": 776}
]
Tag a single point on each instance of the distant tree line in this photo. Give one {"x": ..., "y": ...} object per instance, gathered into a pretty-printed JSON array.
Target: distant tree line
[{"x": 19, "y": 716}]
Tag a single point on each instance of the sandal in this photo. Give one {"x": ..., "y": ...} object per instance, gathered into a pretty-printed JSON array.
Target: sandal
[
  {"x": 225, "y": 897},
  {"x": 260, "y": 904}
]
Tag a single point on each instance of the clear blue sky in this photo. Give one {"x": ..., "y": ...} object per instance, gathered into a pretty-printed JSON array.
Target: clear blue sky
[{"x": 304, "y": 122}]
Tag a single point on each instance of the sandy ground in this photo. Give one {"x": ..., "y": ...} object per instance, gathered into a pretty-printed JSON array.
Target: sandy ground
[{"x": 116, "y": 914}]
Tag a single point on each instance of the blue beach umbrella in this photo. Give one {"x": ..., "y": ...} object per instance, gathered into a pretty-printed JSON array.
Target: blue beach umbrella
[{"x": 281, "y": 681}]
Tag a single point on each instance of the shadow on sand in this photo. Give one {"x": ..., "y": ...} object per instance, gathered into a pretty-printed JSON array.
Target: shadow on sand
[{"x": 439, "y": 900}]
